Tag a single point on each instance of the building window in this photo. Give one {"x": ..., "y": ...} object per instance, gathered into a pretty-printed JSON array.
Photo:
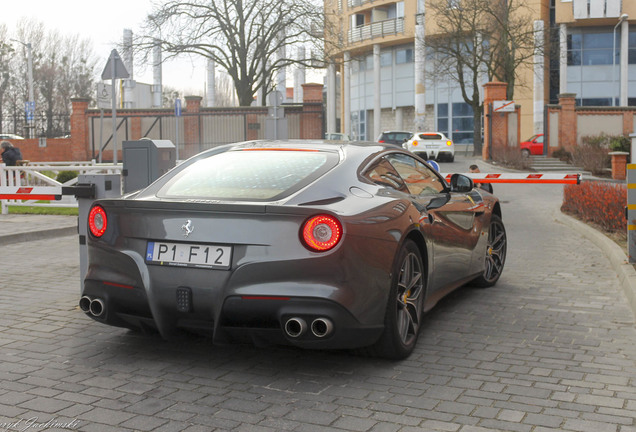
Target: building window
[
  {"x": 590, "y": 49},
  {"x": 404, "y": 56},
  {"x": 362, "y": 125},
  {"x": 594, "y": 102},
  {"x": 386, "y": 58},
  {"x": 442, "y": 118},
  {"x": 574, "y": 49},
  {"x": 357, "y": 20},
  {"x": 463, "y": 123},
  {"x": 632, "y": 48}
]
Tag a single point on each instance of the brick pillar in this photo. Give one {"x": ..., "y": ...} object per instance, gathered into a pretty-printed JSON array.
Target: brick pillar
[
  {"x": 567, "y": 121},
  {"x": 628, "y": 122},
  {"x": 493, "y": 91},
  {"x": 311, "y": 120},
  {"x": 191, "y": 127},
  {"x": 80, "y": 148},
  {"x": 135, "y": 128},
  {"x": 619, "y": 165}
]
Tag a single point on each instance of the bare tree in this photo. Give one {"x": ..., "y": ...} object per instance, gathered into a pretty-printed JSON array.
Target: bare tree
[
  {"x": 243, "y": 37},
  {"x": 63, "y": 67},
  {"x": 477, "y": 39},
  {"x": 6, "y": 52}
]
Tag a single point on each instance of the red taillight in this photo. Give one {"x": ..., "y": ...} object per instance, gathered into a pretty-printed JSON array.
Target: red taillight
[
  {"x": 414, "y": 143},
  {"x": 97, "y": 221},
  {"x": 322, "y": 233},
  {"x": 381, "y": 141}
]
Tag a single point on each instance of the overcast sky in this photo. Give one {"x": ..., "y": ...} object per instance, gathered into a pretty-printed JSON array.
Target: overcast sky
[{"x": 104, "y": 24}]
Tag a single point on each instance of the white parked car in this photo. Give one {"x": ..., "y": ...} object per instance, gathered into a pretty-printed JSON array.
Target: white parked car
[
  {"x": 337, "y": 137},
  {"x": 431, "y": 145}
]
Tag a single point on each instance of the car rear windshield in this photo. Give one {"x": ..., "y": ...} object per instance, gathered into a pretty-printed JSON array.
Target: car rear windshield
[
  {"x": 254, "y": 174},
  {"x": 396, "y": 136},
  {"x": 430, "y": 136}
]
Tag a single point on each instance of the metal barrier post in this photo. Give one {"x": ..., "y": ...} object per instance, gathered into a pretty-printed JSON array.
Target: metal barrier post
[{"x": 631, "y": 212}]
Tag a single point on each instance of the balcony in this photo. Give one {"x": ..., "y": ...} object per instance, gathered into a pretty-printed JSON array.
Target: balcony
[
  {"x": 356, "y": 3},
  {"x": 377, "y": 29},
  {"x": 585, "y": 9}
]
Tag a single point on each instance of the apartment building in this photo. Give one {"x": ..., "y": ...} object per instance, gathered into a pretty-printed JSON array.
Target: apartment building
[{"x": 377, "y": 52}]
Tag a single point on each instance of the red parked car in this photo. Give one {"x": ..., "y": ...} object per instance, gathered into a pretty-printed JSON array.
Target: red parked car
[{"x": 534, "y": 146}]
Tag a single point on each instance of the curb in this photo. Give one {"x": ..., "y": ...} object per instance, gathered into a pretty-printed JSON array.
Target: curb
[
  {"x": 624, "y": 270},
  {"x": 37, "y": 235}
]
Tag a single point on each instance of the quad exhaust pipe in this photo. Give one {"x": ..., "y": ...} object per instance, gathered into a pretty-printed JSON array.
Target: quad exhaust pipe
[
  {"x": 95, "y": 307},
  {"x": 295, "y": 327},
  {"x": 320, "y": 327}
]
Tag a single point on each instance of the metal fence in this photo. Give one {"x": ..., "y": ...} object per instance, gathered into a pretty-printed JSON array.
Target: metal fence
[
  {"x": 54, "y": 126},
  {"x": 214, "y": 128}
]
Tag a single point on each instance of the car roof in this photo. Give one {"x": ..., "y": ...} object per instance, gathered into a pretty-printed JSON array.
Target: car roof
[{"x": 318, "y": 144}]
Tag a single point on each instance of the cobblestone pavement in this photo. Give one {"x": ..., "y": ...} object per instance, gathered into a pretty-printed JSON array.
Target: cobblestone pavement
[{"x": 551, "y": 346}]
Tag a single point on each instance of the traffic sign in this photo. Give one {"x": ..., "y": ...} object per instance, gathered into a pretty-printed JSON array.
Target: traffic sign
[
  {"x": 103, "y": 96},
  {"x": 29, "y": 110},
  {"x": 503, "y": 106},
  {"x": 114, "y": 67},
  {"x": 177, "y": 107}
]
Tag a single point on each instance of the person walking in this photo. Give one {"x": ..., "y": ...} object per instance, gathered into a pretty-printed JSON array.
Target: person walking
[
  {"x": 10, "y": 154},
  {"x": 485, "y": 186}
]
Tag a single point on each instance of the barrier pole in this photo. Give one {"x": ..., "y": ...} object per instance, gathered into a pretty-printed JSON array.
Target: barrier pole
[{"x": 631, "y": 212}]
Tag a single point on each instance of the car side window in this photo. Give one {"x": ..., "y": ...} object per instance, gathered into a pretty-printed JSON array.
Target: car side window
[
  {"x": 418, "y": 177},
  {"x": 382, "y": 173}
]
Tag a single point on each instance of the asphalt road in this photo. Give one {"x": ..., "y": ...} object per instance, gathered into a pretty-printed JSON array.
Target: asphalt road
[{"x": 551, "y": 346}]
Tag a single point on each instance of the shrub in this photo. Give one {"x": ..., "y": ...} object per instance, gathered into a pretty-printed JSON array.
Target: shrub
[
  {"x": 511, "y": 157},
  {"x": 562, "y": 154},
  {"x": 620, "y": 143},
  {"x": 65, "y": 176},
  {"x": 601, "y": 203},
  {"x": 592, "y": 157}
]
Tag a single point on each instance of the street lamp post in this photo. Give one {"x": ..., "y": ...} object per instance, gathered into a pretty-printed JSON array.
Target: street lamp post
[
  {"x": 30, "y": 107},
  {"x": 620, "y": 21}
]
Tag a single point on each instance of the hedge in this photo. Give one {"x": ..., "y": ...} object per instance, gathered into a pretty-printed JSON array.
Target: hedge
[{"x": 601, "y": 203}]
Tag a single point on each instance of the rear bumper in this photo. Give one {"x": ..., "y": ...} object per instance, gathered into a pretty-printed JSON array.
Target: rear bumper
[
  {"x": 252, "y": 302},
  {"x": 256, "y": 319},
  {"x": 433, "y": 153}
]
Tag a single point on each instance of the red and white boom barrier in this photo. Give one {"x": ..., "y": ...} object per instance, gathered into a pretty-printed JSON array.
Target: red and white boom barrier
[
  {"x": 53, "y": 193},
  {"x": 523, "y": 178},
  {"x": 44, "y": 193}
]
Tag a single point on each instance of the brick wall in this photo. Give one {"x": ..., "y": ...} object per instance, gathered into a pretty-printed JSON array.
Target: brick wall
[
  {"x": 575, "y": 122},
  {"x": 311, "y": 121},
  {"x": 84, "y": 145}
]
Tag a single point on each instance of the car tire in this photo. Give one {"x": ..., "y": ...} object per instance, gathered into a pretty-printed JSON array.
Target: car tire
[
  {"x": 525, "y": 153},
  {"x": 451, "y": 158},
  {"x": 404, "y": 311},
  {"x": 495, "y": 256}
]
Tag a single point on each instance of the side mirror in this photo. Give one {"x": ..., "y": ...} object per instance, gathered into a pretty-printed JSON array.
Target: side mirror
[{"x": 461, "y": 183}]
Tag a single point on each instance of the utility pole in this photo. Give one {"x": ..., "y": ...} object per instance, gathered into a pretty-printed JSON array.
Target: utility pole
[{"x": 30, "y": 105}]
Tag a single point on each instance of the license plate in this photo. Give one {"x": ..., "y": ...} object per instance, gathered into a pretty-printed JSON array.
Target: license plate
[
  {"x": 189, "y": 255},
  {"x": 431, "y": 146}
]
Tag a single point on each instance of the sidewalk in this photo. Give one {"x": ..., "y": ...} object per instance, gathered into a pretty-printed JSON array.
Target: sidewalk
[{"x": 15, "y": 228}]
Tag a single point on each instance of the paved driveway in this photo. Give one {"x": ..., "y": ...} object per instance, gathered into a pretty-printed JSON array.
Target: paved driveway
[{"x": 552, "y": 346}]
